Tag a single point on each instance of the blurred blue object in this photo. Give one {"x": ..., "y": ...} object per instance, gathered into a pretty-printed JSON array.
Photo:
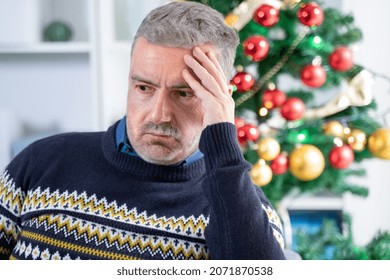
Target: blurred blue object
[{"x": 311, "y": 221}]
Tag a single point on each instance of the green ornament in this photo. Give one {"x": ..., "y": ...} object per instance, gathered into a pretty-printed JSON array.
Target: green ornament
[
  {"x": 298, "y": 137},
  {"x": 315, "y": 42},
  {"x": 57, "y": 31}
]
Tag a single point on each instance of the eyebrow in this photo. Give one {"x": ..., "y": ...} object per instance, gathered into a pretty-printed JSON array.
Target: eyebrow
[{"x": 149, "y": 82}]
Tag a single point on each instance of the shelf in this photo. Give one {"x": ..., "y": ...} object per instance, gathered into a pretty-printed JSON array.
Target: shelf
[{"x": 46, "y": 48}]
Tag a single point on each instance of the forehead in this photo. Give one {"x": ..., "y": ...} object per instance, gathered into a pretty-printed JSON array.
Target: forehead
[
  {"x": 146, "y": 49},
  {"x": 157, "y": 62}
]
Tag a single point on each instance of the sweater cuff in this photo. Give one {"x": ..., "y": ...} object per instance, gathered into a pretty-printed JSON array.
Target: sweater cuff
[{"x": 219, "y": 145}]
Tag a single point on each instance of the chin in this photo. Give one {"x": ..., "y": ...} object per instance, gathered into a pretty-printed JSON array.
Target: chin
[
  {"x": 160, "y": 161},
  {"x": 160, "y": 157}
]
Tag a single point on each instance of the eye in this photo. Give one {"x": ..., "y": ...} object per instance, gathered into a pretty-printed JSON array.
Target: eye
[
  {"x": 184, "y": 94},
  {"x": 144, "y": 88}
]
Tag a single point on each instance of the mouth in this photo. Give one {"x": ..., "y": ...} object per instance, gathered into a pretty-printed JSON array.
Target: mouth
[
  {"x": 159, "y": 134},
  {"x": 160, "y": 140},
  {"x": 160, "y": 137},
  {"x": 163, "y": 130}
]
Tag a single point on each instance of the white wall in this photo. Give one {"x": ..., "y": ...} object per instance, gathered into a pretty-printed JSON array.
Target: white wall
[
  {"x": 47, "y": 91},
  {"x": 373, "y": 213}
]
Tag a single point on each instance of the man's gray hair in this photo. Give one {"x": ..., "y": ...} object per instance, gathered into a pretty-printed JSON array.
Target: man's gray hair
[{"x": 188, "y": 24}]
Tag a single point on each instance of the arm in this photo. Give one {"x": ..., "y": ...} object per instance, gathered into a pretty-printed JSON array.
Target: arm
[
  {"x": 242, "y": 223},
  {"x": 239, "y": 226}
]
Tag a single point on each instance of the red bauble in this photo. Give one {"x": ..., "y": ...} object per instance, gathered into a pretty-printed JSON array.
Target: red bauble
[
  {"x": 292, "y": 109},
  {"x": 273, "y": 98},
  {"x": 311, "y": 14},
  {"x": 279, "y": 165},
  {"x": 256, "y": 47},
  {"x": 243, "y": 81},
  {"x": 238, "y": 122},
  {"x": 313, "y": 75},
  {"x": 341, "y": 59},
  {"x": 341, "y": 157},
  {"x": 248, "y": 132},
  {"x": 266, "y": 15}
]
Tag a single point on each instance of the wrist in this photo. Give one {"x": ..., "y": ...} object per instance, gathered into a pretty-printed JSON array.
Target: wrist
[{"x": 219, "y": 144}]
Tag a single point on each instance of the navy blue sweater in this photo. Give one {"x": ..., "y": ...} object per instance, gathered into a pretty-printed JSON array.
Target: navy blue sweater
[{"x": 74, "y": 196}]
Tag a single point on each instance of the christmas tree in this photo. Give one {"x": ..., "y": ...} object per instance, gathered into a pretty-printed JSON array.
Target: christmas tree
[{"x": 291, "y": 53}]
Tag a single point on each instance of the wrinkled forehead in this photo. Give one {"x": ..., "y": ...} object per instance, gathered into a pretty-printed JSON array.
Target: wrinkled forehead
[{"x": 143, "y": 43}]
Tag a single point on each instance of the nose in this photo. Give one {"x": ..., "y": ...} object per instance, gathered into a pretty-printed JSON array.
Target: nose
[{"x": 162, "y": 108}]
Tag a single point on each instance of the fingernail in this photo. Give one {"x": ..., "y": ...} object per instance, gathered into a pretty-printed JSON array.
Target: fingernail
[{"x": 187, "y": 58}]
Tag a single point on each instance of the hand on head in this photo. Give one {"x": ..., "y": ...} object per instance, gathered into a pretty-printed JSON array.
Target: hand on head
[{"x": 210, "y": 85}]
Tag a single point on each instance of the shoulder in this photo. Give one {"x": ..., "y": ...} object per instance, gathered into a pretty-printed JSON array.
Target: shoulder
[
  {"x": 70, "y": 137},
  {"x": 67, "y": 140},
  {"x": 53, "y": 152},
  {"x": 58, "y": 146},
  {"x": 67, "y": 148}
]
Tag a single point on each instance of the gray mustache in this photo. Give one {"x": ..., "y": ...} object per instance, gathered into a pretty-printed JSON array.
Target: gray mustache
[{"x": 163, "y": 128}]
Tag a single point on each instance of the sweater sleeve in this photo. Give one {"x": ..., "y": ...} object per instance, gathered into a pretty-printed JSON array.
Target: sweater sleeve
[
  {"x": 12, "y": 196},
  {"x": 243, "y": 225}
]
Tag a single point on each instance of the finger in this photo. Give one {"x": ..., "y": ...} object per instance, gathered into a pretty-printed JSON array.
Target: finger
[
  {"x": 214, "y": 59},
  {"x": 209, "y": 61},
  {"x": 208, "y": 81},
  {"x": 216, "y": 110},
  {"x": 197, "y": 87}
]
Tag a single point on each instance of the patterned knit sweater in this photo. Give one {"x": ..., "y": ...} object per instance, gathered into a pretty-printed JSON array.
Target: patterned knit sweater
[{"x": 74, "y": 196}]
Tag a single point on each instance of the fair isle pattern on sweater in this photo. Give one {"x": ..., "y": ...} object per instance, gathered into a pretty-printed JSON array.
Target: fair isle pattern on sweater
[
  {"x": 274, "y": 219},
  {"x": 95, "y": 234},
  {"x": 84, "y": 204},
  {"x": 11, "y": 196},
  {"x": 92, "y": 233},
  {"x": 109, "y": 238}
]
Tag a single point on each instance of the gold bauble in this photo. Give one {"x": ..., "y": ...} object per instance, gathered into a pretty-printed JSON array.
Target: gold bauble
[
  {"x": 306, "y": 162},
  {"x": 357, "y": 139},
  {"x": 231, "y": 19},
  {"x": 334, "y": 128},
  {"x": 379, "y": 143},
  {"x": 269, "y": 148},
  {"x": 261, "y": 174}
]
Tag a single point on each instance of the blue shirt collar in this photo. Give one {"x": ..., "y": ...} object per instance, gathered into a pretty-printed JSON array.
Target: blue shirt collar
[
  {"x": 122, "y": 142},
  {"x": 124, "y": 146}
]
